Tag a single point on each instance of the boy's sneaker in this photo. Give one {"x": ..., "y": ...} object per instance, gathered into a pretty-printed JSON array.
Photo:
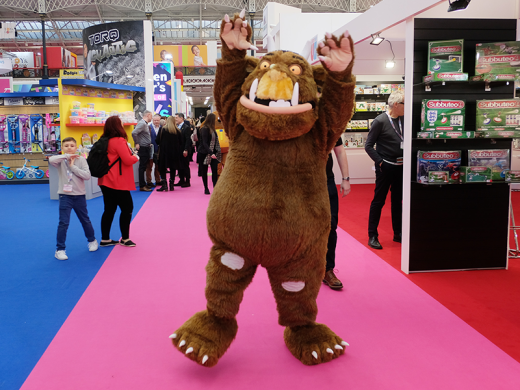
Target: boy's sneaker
[
  {"x": 108, "y": 243},
  {"x": 93, "y": 246},
  {"x": 61, "y": 255},
  {"x": 128, "y": 243}
]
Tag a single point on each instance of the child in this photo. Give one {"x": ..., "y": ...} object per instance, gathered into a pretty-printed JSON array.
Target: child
[{"x": 72, "y": 171}]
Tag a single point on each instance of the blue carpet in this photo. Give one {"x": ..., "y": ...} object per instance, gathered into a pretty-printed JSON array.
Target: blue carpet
[{"x": 37, "y": 292}]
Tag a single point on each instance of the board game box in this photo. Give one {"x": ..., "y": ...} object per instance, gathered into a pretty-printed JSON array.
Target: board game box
[
  {"x": 496, "y": 159},
  {"x": 497, "y": 134},
  {"x": 498, "y": 61},
  {"x": 453, "y": 134},
  {"x": 443, "y": 115},
  {"x": 512, "y": 176},
  {"x": 498, "y": 115},
  {"x": 475, "y": 174},
  {"x": 429, "y": 161},
  {"x": 438, "y": 177},
  {"x": 445, "y": 56}
]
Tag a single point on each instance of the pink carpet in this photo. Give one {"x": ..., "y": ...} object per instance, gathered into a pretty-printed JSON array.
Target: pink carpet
[{"x": 117, "y": 335}]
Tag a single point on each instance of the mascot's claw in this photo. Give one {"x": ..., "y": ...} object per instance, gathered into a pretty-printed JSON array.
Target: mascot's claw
[
  {"x": 345, "y": 343},
  {"x": 235, "y": 33},
  {"x": 336, "y": 59},
  {"x": 173, "y": 336},
  {"x": 313, "y": 344}
]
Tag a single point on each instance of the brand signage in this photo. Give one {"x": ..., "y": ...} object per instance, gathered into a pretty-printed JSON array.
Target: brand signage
[
  {"x": 162, "y": 88},
  {"x": 445, "y": 104},
  {"x": 499, "y": 104},
  {"x": 489, "y": 153},
  {"x": 445, "y": 49},
  {"x": 441, "y": 156},
  {"x": 72, "y": 73}
]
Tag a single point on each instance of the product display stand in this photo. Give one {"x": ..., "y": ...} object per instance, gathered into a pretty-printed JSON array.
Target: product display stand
[{"x": 458, "y": 226}]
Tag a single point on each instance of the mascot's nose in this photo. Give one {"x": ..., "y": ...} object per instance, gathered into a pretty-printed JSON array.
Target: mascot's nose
[{"x": 276, "y": 75}]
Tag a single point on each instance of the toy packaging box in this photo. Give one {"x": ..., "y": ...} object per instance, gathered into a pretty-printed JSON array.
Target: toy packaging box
[
  {"x": 425, "y": 134},
  {"x": 4, "y": 135},
  {"x": 361, "y": 106},
  {"x": 25, "y": 134},
  {"x": 445, "y": 56},
  {"x": 453, "y": 134},
  {"x": 36, "y": 121},
  {"x": 443, "y": 115},
  {"x": 475, "y": 175},
  {"x": 14, "y": 133},
  {"x": 512, "y": 176},
  {"x": 496, "y": 159},
  {"x": 498, "y": 115},
  {"x": 438, "y": 177},
  {"x": 431, "y": 161},
  {"x": 497, "y": 134},
  {"x": 498, "y": 61}
]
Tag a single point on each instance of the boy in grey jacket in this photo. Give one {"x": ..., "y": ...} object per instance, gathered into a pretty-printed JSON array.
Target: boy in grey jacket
[{"x": 72, "y": 172}]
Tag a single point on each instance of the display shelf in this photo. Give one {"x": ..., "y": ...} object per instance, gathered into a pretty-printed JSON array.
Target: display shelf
[
  {"x": 94, "y": 84},
  {"x": 35, "y": 109},
  {"x": 28, "y": 94},
  {"x": 95, "y": 124},
  {"x": 481, "y": 84}
]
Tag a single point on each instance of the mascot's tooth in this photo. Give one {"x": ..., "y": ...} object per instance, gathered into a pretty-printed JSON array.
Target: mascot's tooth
[
  {"x": 338, "y": 346},
  {"x": 315, "y": 354},
  {"x": 182, "y": 343},
  {"x": 330, "y": 350},
  {"x": 205, "y": 359},
  {"x": 295, "y": 95},
  {"x": 252, "y": 90},
  {"x": 345, "y": 343},
  {"x": 279, "y": 103},
  {"x": 189, "y": 350},
  {"x": 173, "y": 336}
]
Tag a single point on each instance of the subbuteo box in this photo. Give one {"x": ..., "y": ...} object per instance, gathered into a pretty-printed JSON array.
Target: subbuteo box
[
  {"x": 496, "y": 159},
  {"x": 498, "y": 115},
  {"x": 438, "y": 177},
  {"x": 425, "y": 134},
  {"x": 454, "y": 134},
  {"x": 443, "y": 115},
  {"x": 512, "y": 176},
  {"x": 498, "y": 134},
  {"x": 430, "y": 161},
  {"x": 445, "y": 56},
  {"x": 450, "y": 76},
  {"x": 475, "y": 175},
  {"x": 498, "y": 61}
]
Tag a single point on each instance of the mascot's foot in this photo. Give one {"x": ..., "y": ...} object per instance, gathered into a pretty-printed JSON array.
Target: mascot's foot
[
  {"x": 204, "y": 338},
  {"x": 314, "y": 343}
]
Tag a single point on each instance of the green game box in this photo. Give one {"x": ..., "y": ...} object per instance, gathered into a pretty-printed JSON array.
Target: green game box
[
  {"x": 438, "y": 177},
  {"x": 496, "y": 159},
  {"x": 453, "y": 134},
  {"x": 512, "y": 176},
  {"x": 498, "y": 61},
  {"x": 497, "y": 134},
  {"x": 498, "y": 115},
  {"x": 445, "y": 56},
  {"x": 425, "y": 134},
  {"x": 475, "y": 174},
  {"x": 443, "y": 115}
]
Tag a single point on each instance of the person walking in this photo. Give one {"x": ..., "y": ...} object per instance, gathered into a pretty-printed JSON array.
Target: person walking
[
  {"x": 142, "y": 141},
  {"x": 386, "y": 133},
  {"x": 155, "y": 126},
  {"x": 117, "y": 183},
  {"x": 170, "y": 152},
  {"x": 209, "y": 150},
  {"x": 184, "y": 169}
]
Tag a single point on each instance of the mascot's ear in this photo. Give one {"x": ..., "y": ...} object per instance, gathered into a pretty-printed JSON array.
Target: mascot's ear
[
  {"x": 320, "y": 75},
  {"x": 252, "y": 62}
]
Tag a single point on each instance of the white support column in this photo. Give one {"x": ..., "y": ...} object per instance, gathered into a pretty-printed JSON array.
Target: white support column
[
  {"x": 407, "y": 177},
  {"x": 148, "y": 63}
]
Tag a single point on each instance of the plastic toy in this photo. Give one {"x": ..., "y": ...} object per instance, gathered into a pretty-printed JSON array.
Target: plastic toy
[
  {"x": 32, "y": 171},
  {"x": 6, "y": 172}
]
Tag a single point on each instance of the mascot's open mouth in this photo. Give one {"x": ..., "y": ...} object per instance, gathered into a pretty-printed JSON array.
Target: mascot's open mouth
[{"x": 268, "y": 106}]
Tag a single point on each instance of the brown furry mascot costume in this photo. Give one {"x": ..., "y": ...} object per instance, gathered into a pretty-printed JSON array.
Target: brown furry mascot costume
[{"x": 271, "y": 205}]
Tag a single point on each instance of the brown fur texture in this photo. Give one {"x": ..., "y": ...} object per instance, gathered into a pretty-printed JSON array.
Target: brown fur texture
[{"x": 271, "y": 205}]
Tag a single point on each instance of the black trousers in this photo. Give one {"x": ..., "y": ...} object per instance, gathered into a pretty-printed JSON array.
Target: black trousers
[
  {"x": 333, "y": 235},
  {"x": 203, "y": 172},
  {"x": 144, "y": 160},
  {"x": 184, "y": 169},
  {"x": 388, "y": 177},
  {"x": 112, "y": 199}
]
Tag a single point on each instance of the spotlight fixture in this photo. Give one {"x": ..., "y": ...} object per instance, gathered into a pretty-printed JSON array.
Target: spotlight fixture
[
  {"x": 389, "y": 63},
  {"x": 109, "y": 72},
  {"x": 376, "y": 39},
  {"x": 458, "y": 5}
]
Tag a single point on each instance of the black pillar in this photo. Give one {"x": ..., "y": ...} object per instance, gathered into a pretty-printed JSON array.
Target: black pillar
[{"x": 44, "y": 51}]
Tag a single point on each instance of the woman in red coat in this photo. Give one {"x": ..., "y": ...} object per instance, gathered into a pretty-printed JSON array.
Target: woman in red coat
[{"x": 117, "y": 183}]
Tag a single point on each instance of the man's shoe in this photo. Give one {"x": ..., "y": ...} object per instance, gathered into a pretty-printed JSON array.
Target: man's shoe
[
  {"x": 332, "y": 281},
  {"x": 61, "y": 255},
  {"x": 397, "y": 238},
  {"x": 373, "y": 242},
  {"x": 179, "y": 183},
  {"x": 145, "y": 189},
  {"x": 151, "y": 185},
  {"x": 185, "y": 184},
  {"x": 93, "y": 246}
]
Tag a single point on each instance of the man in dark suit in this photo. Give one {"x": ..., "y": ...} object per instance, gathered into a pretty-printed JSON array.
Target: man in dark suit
[
  {"x": 184, "y": 171},
  {"x": 155, "y": 127}
]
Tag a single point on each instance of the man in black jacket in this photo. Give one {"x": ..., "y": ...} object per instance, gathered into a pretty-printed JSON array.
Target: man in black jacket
[
  {"x": 184, "y": 171},
  {"x": 386, "y": 133}
]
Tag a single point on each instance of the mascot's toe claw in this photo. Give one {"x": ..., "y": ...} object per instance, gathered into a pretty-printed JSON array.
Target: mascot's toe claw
[
  {"x": 173, "y": 336},
  {"x": 345, "y": 343},
  {"x": 315, "y": 354},
  {"x": 189, "y": 350},
  {"x": 183, "y": 343},
  {"x": 330, "y": 350},
  {"x": 205, "y": 359},
  {"x": 337, "y": 346}
]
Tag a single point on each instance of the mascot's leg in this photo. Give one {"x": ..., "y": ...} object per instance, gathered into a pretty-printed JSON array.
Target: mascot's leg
[
  {"x": 206, "y": 336},
  {"x": 295, "y": 286}
]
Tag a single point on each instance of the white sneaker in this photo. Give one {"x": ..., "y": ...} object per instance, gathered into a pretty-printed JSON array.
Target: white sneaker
[
  {"x": 93, "y": 246},
  {"x": 61, "y": 255}
]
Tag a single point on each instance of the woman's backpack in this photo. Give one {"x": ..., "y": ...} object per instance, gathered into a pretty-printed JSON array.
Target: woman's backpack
[{"x": 98, "y": 161}]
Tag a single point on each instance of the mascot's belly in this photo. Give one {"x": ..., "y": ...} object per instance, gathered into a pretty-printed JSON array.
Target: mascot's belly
[{"x": 273, "y": 216}]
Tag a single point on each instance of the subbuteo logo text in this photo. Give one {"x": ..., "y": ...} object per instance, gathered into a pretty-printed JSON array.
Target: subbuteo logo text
[
  {"x": 445, "y": 49},
  {"x": 499, "y": 59},
  {"x": 499, "y": 104},
  {"x": 449, "y": 75},
  {"x": 441, "y": 156},
  {"x": 489, "y": 154},
  {"x": 479, "y": 169},
  {"x": 446, "y": 104}
]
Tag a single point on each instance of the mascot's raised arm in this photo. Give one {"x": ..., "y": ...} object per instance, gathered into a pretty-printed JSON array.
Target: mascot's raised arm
[{"x": 271, "y": 205}]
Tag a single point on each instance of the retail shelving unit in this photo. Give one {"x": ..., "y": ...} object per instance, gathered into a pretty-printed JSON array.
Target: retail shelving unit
[{"x": 459, "y": 226}]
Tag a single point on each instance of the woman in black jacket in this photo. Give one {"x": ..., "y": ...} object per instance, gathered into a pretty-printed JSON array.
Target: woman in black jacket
[
  {"x": 170, "y": 152},
  {"x": 208, "y": 152}
]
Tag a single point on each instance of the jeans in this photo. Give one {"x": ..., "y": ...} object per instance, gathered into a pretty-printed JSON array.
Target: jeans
[
  {"x": 333, "y": 235},
  {"x": 388, "y": 177},
  {"x": 111, "y": 199},
  {"x": 78, "y": 203},
  {"x": 144, "y": 160}
]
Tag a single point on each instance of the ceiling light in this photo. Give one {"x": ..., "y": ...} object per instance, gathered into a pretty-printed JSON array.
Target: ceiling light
[
  {"x": 458, "y": 5},
  {"x": 389, "y": 63},
  {"x": 376, "y": 39},
  {"x": 108, "y": 72}
]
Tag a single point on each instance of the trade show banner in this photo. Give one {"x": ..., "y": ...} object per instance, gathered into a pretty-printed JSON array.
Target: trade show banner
[
  {"x": 117, "y": 48},
  {"x": 182, "y": 55},
  {"x": 22, "y": 60},
  {"x": 162, "y": 88},
  {"x": 72, "y": 74}
]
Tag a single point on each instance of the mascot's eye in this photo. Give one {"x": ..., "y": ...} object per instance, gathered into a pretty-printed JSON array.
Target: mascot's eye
[
  {"x": 296, "y": 69},
  {"x": 265, "y": 65}
]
